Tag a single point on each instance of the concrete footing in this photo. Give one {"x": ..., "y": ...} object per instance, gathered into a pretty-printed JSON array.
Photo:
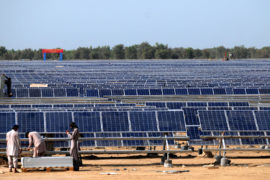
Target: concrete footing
[
  {"x": 168, "y": 163},
  {"x": 225, "y": 162}
]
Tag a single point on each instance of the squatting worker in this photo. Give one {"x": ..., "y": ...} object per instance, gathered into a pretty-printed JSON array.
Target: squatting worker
[
  {"x": 74, "y": 151},
  {"x": 13, "y": 148},
  {"x": 36, "y": 140}
]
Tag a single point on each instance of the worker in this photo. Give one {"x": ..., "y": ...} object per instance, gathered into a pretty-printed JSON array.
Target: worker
[
  {"x": 38, "y": 142},
  {"x": 74, "y": 150},
  {"x": 6, "y": 80},
  {"x": 13, "y": 148}
]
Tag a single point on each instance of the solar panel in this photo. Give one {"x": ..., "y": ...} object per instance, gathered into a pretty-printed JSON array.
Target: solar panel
[
  {"x": 115, "y": 121},
  {"x": 134, "y": 142},
  {"x": 7, "y": 120},
  {"x": 263, "y": 121},
  {"x": 143, "y": 121},
  {"x": 197, "y": 104},
  {"x": 194, "y": 91},
  {"x": 157, "y": 104},
  {"x": 31, "y": 121},
  {"x": 181, "y": 91},
  {"x": 218, "y": 104},
  {"x": 118, "y": 92},
  {"x": 207, "y": 91},
  {"x": 194, "y": 133},
  {"x": 253, "y": 141},
  {"x": 92, "y": 93},
  {"x": 229, "y": 90},
  {"x": 175, "y": 105},
  {"x": 104, "y": 143},
  {"x": 47, "y": 92},
  {"x": 72, "y": 93},
  {"x": 130, "y": 92},
  {"x": 143, "y": 91},
  {"x": 88, "y": 121},
  {"x": 155, "y": 92},
  {"x": 22, "y": 93},
  {"x": 219, "y": 91},
  {"x": 239, "y": 91},
  {"x": 87, "y": 143},
  {"x": 252, "y": 91},
  {"x": 168, "y": 91},
  {"x": 191, "y": 117},
  {"x": 241, "y": 120},
  {"x": 60, "y": 92},
  {"x": 238, "y": 104},
  {"x": 171, "y": 121},
  {"x": 34, "y": 92},
  {"x": 264, "y": 91},
  {"x": 58, "y": 121},
  {"x": 213, "y": 120},
  {"x": 159, "y": 142}
]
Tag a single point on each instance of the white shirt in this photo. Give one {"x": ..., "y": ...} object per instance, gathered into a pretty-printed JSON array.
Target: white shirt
[{"x": 13, "y": 143}]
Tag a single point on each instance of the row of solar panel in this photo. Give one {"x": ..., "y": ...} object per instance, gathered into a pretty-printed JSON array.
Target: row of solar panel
[
  {"x": 157, "y": 121},
  {"x": 194, "y": 133},
  {"x": 169, "y": 105},
  {"x": 63, "y": 92},
  {"x": 234, "y": 120}
]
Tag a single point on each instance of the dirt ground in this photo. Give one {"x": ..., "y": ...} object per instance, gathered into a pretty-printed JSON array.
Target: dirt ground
[{"x": 244, "y": 165}]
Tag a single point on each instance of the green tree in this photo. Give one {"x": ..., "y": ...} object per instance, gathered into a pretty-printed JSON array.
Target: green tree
[
  {"x": 189, "y": 54},
  {"x": 146, "y": 51},
  {"x": 118, "y": 51},
  {"x": 162, "y": 51},
  {"x": 131, "y": 52}
]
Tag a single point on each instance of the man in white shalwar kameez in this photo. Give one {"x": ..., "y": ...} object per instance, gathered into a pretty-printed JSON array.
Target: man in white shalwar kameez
[
  {"x": 13, "y": 148},
  {"x": 39, "y": 143}
]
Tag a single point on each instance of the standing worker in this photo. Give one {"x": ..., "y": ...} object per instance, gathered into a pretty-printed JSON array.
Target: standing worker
[
  {"x": 13, "y": 148},
  {"x": 39, "y": 144},
  {"x": 74, "y": 150},
  {"x": 5, "y": 80}
]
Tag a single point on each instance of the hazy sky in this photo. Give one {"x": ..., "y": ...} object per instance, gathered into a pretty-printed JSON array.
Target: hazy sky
[{"x": 179, "y": 23}]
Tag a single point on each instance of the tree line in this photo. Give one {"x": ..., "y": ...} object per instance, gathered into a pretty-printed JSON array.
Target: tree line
[{"x": 140, "y": 51}]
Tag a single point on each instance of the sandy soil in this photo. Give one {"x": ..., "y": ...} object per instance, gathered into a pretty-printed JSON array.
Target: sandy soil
[{"x": 245, "y": 165}]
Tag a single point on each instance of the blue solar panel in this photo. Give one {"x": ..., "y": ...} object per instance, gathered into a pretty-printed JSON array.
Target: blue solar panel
[
  {"x": 194, "y": 91},
  {"x": 105, "y": 92},
  {"x": 194, "y": 133},
  {"x": 21, "y": 106},
  {"x": 143, "y": 91},
  {"x": 264, "y": 91},
  {"x": 245, "y": 108},
  {"x": 72, "y": 92},
  {"x": 34, "y": 92},
  {"x": 175, "y": 105},
  {"x": 63, "y": 105},
  {"x": 210, "y": 108},
  {"x": 191, "y": 117},
  {"x": 219, "y": 91},
  {"x": 157, "y": 104},
  {"x": 217, "y": 104},
  {"x": 4, "y": 106},
  {"x": 239, "y": 91},
  {"x": 238, "y": 104},
  {"x": 83, "y": 105},
  {"x": 168, "y": 91},
  {"x": 60, "y": 92},
  {"x": 181, "y": 91},
  {"x": 117, "y": 92},
  {"x": 105, "y": 143},
  {"x": 87, "y": 143},
  {"x": 7, "y": 120},
  {"x": 58, "y": 121},
  {"x": 155, "y": 92},
  {"x": 130, "y": 92},
  {"x": 31, "y": 121},
  {"x": 22, "y": 93},
  {"x": 143, "y": 121},
  {"x": 252, "y": 91},
  {"x": 134, "y": 142},
  {"x": 47, "y": 92},
  {"x": 115, "y": 121},
  {"x": 197, "y": 104},
  {"x": 229, "y": 90},
  {"x": 213, "y": 120},
  {"x": 92, "y": 93},
  {"x": 241, "y": 120},
  {"x": 42, "y": 106},
  {"x": 207, "y": 91},
  {"x": 159, "y": 142},
  {"x": 263, "y": 119},
  {"x": 88, "y": 121},
  {"x": 171, "y": 121},
  {"x": 252, "y": 141}
]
